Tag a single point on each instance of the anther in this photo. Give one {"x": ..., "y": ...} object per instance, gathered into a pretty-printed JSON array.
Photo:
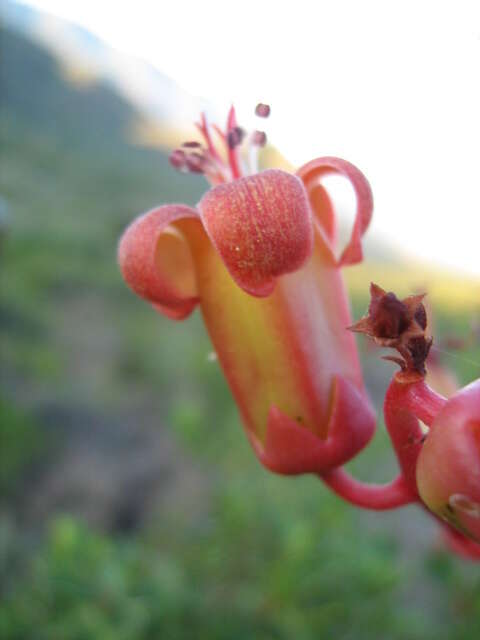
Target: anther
[
  {"x": 177, "y": 159},
  {"x": 262, "y": 110},
  {"x": 195, "y": 162},
  {"x": 389, "y": 316},
  {"x": 235, "y": 137},
  {"x": 259, "y": 138},
  {"x": 191, "y": 144}
]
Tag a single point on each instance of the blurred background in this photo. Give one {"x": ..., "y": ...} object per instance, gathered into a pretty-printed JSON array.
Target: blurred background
[{"x": 130, "y": 504}]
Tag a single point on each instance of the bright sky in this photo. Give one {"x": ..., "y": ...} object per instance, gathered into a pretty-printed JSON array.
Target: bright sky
[{"x": 391, "y": 85}]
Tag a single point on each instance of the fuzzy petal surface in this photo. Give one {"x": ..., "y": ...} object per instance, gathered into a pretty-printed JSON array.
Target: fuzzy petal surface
[
  {"x": 261, "y": 226},
  {"x": 156, "y": 261}
]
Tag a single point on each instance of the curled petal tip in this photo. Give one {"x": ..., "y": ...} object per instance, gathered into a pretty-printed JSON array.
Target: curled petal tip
[
  {"x": 311, "y": 173},
  {"x": 156, "y": 262}
]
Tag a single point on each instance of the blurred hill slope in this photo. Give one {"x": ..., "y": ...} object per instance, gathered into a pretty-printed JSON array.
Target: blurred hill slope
[
  {"x": 34, "y": 94},
  {"x": 72, "y": 337},
  {"x": 85, "y": 59}
]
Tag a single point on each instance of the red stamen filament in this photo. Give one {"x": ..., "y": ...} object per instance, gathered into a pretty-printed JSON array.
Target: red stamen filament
[{"x": 215, "y": 166}]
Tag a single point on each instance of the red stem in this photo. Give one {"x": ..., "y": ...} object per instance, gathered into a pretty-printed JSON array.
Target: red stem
[
  {"x": 378, "y": 497},
  {"x": 406, "y": 403},
  {"x": 422, "y": 401}
]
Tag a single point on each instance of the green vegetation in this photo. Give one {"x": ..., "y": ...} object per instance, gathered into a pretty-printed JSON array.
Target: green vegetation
[{"x": 99, "y": 537}]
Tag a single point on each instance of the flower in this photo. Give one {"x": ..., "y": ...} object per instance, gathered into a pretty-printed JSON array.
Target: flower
[{"x": 257, "y": 254}]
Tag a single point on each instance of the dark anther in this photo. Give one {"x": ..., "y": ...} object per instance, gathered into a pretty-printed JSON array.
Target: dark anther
[
  {"x": 191, "y": 144},
  {"x": 177, "y": 159},
  {"x": 262, "y": 110},
  {"x": 195, "y": 162},
  {"x": 235, "y": 137}
]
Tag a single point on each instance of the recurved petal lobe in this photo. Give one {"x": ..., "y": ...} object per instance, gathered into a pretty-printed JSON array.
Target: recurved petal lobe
[{"x": 156, "y": 261}]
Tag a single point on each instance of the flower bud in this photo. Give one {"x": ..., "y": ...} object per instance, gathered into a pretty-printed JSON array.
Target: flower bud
[{"x": 448, "y": 468}]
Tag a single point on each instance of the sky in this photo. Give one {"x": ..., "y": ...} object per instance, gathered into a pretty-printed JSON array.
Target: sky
[{"x": 393, "y": 86}]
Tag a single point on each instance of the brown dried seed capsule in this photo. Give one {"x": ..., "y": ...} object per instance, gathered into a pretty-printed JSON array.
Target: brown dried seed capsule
[
  {"x": 421, "y": 316},
  {"x": 418, "y": 348},
  {"x": 389, "y": 316}
]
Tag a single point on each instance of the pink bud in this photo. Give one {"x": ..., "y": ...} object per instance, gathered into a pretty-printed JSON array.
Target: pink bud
[{"x": 448, "y": 468}]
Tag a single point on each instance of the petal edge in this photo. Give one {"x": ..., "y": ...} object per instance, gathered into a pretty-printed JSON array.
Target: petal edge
[{"x": 155, "y": 260}]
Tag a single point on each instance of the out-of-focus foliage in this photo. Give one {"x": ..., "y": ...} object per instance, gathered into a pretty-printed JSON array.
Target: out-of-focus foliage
[
  {"x": 115, "y": 526},
  {"x": 20, "y": 445}
]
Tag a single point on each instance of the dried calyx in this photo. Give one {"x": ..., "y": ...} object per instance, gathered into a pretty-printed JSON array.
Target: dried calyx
[
  {"x": 222, "y": 162},
  {"x": 400, "y": 325}
]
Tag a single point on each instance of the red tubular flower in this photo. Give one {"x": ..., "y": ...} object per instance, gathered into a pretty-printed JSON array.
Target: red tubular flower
[{"x": 258, "y": 255}]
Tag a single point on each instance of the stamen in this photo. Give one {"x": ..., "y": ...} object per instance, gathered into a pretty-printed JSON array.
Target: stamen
[
  {"x": 235, "y": 137},
  {"x": 196, "y": 162},
  {"x": 204, "y": 129},
  {"x": 191, "y": 144},
  {"x": 178, "y": 159},
  {"x": 206, "y": 158},
  {"x": 259, "y": 138},
  {"x": 262, "y": 110},
  {"x": 219, "y": 132}
]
